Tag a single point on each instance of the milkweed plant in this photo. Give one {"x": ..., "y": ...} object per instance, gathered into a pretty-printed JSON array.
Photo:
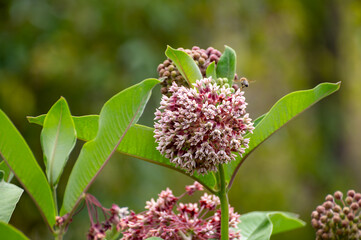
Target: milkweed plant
[{"x": 201, "y": 129}]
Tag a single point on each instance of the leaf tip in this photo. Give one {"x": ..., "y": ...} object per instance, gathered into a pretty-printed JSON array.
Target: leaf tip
[{"x": 30, "y": 119}]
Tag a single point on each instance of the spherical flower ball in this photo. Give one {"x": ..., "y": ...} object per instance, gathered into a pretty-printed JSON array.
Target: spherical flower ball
[{"x": 201, "y": 127}]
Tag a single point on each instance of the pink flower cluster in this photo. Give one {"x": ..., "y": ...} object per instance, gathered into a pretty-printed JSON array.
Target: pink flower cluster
[
  {"x": 197, "y": 221},
  {"x": 199, "y": 128}
]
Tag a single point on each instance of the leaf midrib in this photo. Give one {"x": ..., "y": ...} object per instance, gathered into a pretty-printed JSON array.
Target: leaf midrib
[{"x": 55, "y": 146}]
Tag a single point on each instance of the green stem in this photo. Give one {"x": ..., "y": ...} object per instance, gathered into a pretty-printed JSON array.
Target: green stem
[
  {"x": 224, "y": 205},
  {"x": 55, "y": 198},
  {"x": 59, "y": 236}
]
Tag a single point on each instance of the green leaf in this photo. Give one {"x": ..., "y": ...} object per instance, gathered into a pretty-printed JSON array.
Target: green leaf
[
  {"x": 258, "y": 120},
  {"x": 226, "y": 66},
  {"x": 9, "y": 232},
  {"x": 18, "y": 156},
  {"x": 282, "y": 112},
  {"x": 138, "y": 142},
  {"x": 185, "y": 65},
  {"x": 6, "y": 170},
  {"x": 211, "y": 71},
  {"x": 116, "y": 117},
  {"x": 261, "y": 225},
  {"x": 58, "y": 139},
  {"x": 10, "y": 195},
  {"x": 86, "y": 126}
]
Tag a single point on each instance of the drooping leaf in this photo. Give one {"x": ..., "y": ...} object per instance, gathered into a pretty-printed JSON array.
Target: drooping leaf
[
  {"x": 58, "y": 139},
  {"x": 116, "y": 117},
  {"x": 282, "y": 112},
  {"x": 261, "y": 225},
  {"x": 226, "y": 66},
  {"x": 9, "y": 232},
  {"x": 185, "y": 65},
  {"x": 211, "y": 71},
  {"x": 9, "y": 197},
  {"x": 18, "y": 156}
]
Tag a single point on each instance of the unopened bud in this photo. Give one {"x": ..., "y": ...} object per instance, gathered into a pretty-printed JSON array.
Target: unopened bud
[
  {"x": 328, "y": 205},
  {"x": 315, "y": 215},
  {"x": 351, "y": 193},
  {"x": 336, "y": 219},
  {"x": 344, "y": 223},
  {"x": 337, "y": 208},
  {"x": 350, "y": 216},
  {"x": 348, "y": 200},
  {"x": 314, "y": 223},
  {"x": 320, "y": 209},
  {"x": 329, "y": 197},
  {"x": 338, "y": 195},
  {"x": 354, "y": 206}
]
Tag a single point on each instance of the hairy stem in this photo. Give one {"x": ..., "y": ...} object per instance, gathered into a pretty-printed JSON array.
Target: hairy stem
[{"x": 224, "y": 205}]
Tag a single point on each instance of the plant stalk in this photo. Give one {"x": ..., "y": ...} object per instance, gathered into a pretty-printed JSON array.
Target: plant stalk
[
  {"x": 55, "y": 198},
  {"x": 223, "y": 196},
  {"x": 59, "y": 236}
]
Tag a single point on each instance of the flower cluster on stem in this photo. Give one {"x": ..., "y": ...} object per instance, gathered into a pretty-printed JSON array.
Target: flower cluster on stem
[
  {"x": 199, "y": 128},
  {"x": 169, "y": 219}
]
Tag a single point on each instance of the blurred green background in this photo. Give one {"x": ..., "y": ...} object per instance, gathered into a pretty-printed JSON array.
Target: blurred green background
[{"x": 87, "y": 51}]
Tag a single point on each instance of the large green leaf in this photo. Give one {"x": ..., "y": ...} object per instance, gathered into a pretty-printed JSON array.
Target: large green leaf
[
  {"x": 138, "y": 142},
  {"x": 10, "y": 195},
  {"x": 261, "y": 225},
  {"x": 185, "y": 65},
  {"x": 58, "y": 139},
  {"x": 18, "y": 156},
  {"x": 283, "y": 111},
  {"x": 226, "y": 66},
  {"x": 116, "y": 117},
  {"x": 8, "y": 232}
]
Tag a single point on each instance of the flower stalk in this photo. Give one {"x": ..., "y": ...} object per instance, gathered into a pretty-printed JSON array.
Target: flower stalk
[{"x": 223, "y": 196}]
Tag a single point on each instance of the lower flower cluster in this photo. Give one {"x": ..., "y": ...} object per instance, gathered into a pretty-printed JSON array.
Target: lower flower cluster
[
  {"x": 168, "y": 219},
  {"x": 338, "y": 221}
]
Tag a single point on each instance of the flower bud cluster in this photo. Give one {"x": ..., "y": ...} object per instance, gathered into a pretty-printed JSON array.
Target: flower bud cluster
[
  {"x": 223, "y": 82},
  {"x": 170, "y": 220},
  {"x": 169, "y": 73},
  {"x": 200, "y": 128},
  {"x": 338, "y": 218}
]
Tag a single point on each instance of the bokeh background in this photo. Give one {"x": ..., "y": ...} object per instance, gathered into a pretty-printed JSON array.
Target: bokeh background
[{"x": 87, "y": 51}]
